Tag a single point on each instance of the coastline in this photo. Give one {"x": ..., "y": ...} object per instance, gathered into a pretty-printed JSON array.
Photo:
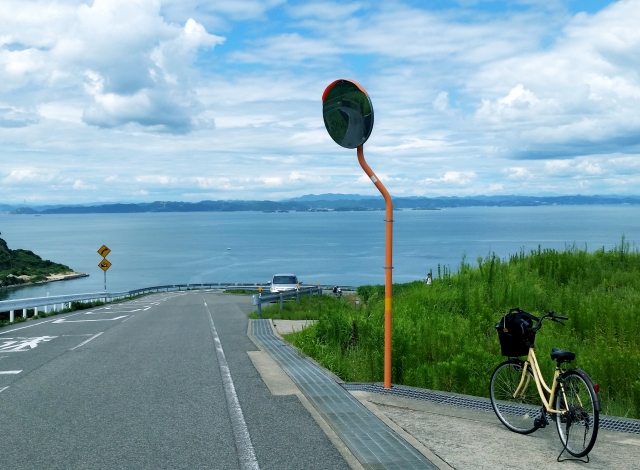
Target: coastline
[{"x": 50, "y": 278}]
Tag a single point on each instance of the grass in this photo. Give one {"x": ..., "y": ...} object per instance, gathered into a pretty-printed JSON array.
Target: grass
[
  {"x": 305, "y": 310},
  {"x": 444, "y": 336}
]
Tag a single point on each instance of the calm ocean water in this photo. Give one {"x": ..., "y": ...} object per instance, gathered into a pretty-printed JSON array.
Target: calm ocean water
[{"x": 333, "y": 248}]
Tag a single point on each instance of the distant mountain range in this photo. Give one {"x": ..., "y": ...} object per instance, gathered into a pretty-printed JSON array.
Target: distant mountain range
[
  {"x": 329, "y": 197},
  {"x": 325, "y": 202}
]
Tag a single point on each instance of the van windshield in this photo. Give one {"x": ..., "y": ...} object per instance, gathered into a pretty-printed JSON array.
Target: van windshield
[{"x": 285, "y": 280}]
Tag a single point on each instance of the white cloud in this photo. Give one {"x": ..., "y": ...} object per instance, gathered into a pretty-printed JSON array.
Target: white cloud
[
  {"x": 156, "y": 179},
  {"x": 578, "y": 97},
  {"x": 61, "y": 111},
  {"x": 466, "y": 102},
  {"x": 574, "y": 168},
  {"x": 331, "y": 11},
  {"x": 82, "y": 186},
  {"x": 11, "y": 116},
  {"x": 519, "y": 173},
  {"x": 27, "y": 175},
  {"x": 271, "y": 181},
  {"x": 136, "y": 66},
  {"x": 453, "y": 177},
  {"x": 441, "y": 103}
]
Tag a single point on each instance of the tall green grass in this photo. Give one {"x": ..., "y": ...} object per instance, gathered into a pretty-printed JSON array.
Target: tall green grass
[{"x": 444, "y": 336}]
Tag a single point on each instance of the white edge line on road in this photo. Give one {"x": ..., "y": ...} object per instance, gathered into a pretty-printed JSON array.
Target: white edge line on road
[
  {"x": 5, "y": 372},
  {"x": 246, "y": 454},
  {"x": 3, "y": 389},
  {"x": 86, "y": 341},
  {"x": 23, "y": 327},
  {"x": 131, "y": 316},
  {"x": 37, "y": 324}
]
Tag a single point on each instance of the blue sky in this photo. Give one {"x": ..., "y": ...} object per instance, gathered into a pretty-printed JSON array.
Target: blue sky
[{"x": 144, "y": 100}]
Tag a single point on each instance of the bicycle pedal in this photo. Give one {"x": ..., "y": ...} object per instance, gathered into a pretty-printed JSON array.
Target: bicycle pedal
[{"x": 540, "y": 422}]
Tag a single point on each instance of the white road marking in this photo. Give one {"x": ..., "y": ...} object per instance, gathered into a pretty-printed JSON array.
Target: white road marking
[
  {"x": 22, "y": 328},
  {"x": 246, "y": 454},
  {"x": 86, "y": 341},
  {"x": 21, "y": 346},
  {"x": 3, "y": 389},
  {"x": 5, "y": 372},
  {"x": 113, "y": 311},
  {"x": 83, "y": 321},
  {"x": 37, "y": 324},
  {"x": 126, "y": 319}
]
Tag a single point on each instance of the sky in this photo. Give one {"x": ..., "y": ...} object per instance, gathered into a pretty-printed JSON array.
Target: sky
[{"x": 186, "y": 100}]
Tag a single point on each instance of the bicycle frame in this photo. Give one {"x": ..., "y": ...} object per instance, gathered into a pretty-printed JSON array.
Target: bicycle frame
[{"x": 542, "y": 386}]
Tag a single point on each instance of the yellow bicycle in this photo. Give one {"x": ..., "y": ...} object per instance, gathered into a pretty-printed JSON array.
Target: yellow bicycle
[{"x": 524, "y": 402}]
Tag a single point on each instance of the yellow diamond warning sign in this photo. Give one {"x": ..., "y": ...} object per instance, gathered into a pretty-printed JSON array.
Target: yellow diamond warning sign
[
  {"x": 104, "y": 251},
  {"x": 104, "y": 264}
]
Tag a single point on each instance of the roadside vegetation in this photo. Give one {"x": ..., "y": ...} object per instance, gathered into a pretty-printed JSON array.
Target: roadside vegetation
[
  {"x": 239, "y": 291},
  {"x": 444, "y": 336},
  {"x": 305, "y": 310},
  {"x": 23, "y": 267}
]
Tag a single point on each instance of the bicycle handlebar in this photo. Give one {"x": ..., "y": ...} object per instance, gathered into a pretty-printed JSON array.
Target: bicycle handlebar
[{"x": 552, "y": 315}]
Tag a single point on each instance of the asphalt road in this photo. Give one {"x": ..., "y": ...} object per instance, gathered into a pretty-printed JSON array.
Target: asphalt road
[{"x": 140, "y": 385}]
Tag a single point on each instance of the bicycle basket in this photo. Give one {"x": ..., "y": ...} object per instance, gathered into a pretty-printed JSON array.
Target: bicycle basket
[{"x": 516, "y": 333}]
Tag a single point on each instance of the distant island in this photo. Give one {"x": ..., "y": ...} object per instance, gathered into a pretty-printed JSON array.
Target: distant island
[
  {"x": 21, "y": 267},
  {"x": 326, "y": 202}
]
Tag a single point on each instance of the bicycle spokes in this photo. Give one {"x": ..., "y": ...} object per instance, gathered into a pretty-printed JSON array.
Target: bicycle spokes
[{"x": 578, "y": 422}]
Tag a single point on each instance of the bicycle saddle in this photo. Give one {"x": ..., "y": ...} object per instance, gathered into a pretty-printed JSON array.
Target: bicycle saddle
[{"x": 562, "y": 356}]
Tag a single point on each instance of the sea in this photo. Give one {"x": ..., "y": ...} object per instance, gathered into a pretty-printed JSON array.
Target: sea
[{"x": 336, "y": 248}]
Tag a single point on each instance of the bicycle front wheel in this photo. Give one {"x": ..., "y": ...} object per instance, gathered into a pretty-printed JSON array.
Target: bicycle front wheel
[
  {"x": 579, "y": 404},
  {"x": 517, "y": 411}
]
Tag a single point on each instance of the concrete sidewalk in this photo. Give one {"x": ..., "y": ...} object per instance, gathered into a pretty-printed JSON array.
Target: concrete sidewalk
[{"x": 469, "y": 439}]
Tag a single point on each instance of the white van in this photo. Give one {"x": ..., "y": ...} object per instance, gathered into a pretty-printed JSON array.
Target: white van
[{"x": 282, "y": 282}]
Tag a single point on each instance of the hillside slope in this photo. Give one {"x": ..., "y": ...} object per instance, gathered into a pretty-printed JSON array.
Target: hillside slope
[{"x": 24, "y": 266}]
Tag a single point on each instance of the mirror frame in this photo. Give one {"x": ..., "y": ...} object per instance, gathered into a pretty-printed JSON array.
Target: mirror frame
[{"x": 325, "y": 95}]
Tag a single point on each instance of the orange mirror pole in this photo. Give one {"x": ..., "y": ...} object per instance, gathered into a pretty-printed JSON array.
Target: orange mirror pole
[{"x": 388, "y": 262}]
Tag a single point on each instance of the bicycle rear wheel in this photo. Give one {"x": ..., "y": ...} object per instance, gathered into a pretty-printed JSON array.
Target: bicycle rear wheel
[
  {"x": 517, "y": 413},
  {"x": 578, "y": 425}
]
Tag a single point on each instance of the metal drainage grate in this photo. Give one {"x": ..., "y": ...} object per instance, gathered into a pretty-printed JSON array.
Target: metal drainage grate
[
  {"x": 474, "y": 403},
  {"x": 373, "y": 443}
]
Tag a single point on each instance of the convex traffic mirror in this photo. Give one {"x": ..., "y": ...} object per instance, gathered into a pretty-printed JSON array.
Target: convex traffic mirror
[{"x": 347, "y": 113}]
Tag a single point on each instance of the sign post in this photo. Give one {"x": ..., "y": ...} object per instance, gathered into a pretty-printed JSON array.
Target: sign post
[
  {"x": 348, "y": 116},
  {"x": 105, "y": 263}
]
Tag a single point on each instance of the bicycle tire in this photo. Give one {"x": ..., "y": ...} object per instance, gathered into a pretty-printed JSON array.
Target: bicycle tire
[
  {"x": 517, "y": 414},
  {"x": 578, "y": 427}
]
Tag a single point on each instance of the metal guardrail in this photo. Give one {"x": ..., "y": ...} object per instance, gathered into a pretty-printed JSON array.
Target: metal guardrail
[
  {"x": 14, "y": 305},
  {"x": 258, "y": 299}
]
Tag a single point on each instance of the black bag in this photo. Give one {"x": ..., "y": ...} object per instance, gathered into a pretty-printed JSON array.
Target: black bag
[{"x": 516, "y": 333}]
